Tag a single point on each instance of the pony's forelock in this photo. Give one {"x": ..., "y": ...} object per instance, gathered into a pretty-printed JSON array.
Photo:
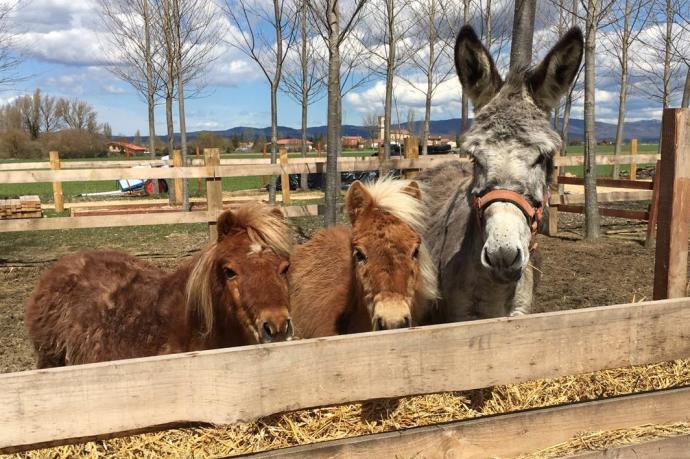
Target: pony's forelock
[
  {"x": 387, "y": 194},
  {"x": 263, "y": 227}
]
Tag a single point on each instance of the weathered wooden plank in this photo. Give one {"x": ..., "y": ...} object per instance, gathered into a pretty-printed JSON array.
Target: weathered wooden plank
[
  {"x": 505, "y": 435},
  {"x": 241, "y": 170},
  {"x": 609, "y": 182},
  {"x": 129, "y": 218},
  {"x": 241, "y": 384},
  {"x": 607, "y": 212},
  {"x": 607, "y": 159},
  {"x": 653, "y": 209},
  {"x": 670, "y": 269},
  {"x": 58, "y": 197},
  {"x": 666, "y": 448},
  {"x": 604, "y": 196}
]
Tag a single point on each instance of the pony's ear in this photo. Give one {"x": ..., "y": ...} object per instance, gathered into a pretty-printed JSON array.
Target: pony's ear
[
  {"x": 551, "y": 79},
  {"x": 276, "y": 212},
  {"x": 225, "y": 224},
  {"x": 358, "y": 199},
  {"x": 476, "y": 69},
  {"x": 413, "y": 190}
]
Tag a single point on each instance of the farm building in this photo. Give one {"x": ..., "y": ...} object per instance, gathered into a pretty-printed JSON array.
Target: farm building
[
  {"x": 129, "y": 149},
  {"x": 352, "y": 141},
  {"x": 293, "y": 144}
]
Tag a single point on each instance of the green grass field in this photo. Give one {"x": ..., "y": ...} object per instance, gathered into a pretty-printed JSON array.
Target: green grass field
[{"x": 72, "y": 190}]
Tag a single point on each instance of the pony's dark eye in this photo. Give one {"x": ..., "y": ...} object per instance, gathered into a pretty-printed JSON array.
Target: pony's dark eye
[
  {"x": 359, "y": 255},
  {"x": 229, "y": 273},
  {"x": 415, "y": 254},
  {"x": 284, "y": 270}
]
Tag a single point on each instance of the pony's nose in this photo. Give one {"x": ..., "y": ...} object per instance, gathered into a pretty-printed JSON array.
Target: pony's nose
[
  {"x": 382, "y": 323},
  {"x": 276, "y": 329}
]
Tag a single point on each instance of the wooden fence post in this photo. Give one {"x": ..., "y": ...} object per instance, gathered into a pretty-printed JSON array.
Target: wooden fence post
[
  {"x": 177, "y": 162},
  {"x": 554, "y": 198},
  {"x": 633, "y": 164},
  {"x": 264, "y": 154},
  {"x": 411, "y": 152},
  {"x": 284, "y": 177},
  {"x": 653, "y": 209},
  {"x": 670, "y": 270},
  {"x": 214, "y": 192},
  {"x": 57, "y": 186}
]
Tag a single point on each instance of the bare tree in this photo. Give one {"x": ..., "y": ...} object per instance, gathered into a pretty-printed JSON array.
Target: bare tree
[
  {"x": 370, "y": 121},
  {"x": 266, "y": 34},
  {"x": 432, "y": 60},
  {"x": 334, "y": 28},
  {"x": 304, "y": 74},
  {"x": 685, "y": 103},
  {"x": 633, "y": 14},
  {"x": 132, "y": 51},
  {"x": 189, "y": 33},
  {"x": 77, "y": 114},
  {"x": 50, "y": 118},
  {"x": 595, "y": 11},
  {"x": 523, "y": 34},
  {"x": 10, "y": 59},
  {"x": 391, "y": 22},
  {"x": 465, "y": 100}
]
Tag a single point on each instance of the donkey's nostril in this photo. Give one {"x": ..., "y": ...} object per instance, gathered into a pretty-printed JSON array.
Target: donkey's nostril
[
  {"x": 407, "y": 322},
  {"x": 267, "y": 329},
  {"x": 288, "y": 327},
  {"x": 380, "y": 324},
  {"x": 486, "y": 261},
  {"x": 518, "y": 257}
]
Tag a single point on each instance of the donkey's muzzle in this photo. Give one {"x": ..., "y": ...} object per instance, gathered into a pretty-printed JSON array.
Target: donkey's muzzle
[{"x": 275, "y": 328}]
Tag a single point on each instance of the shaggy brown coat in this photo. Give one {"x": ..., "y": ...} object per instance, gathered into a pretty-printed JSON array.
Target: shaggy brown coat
[
  {"x": 373, "y": 275},
  {"x": 105, "y": 305}
]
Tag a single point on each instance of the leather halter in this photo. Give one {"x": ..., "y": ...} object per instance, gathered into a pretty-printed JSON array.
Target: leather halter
[{"x": 533, "y": 214}]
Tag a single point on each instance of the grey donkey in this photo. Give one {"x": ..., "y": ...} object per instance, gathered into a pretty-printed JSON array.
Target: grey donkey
[{"x": 484, "y": 215}]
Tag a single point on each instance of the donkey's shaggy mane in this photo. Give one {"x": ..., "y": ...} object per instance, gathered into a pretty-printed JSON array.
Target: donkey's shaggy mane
[
  {"x": 264, "y": 226},
  {"x": 388, "y": 195}
]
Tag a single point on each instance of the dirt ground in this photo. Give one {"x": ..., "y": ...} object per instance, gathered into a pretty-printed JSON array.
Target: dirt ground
[{"x": 576, "y": 274}]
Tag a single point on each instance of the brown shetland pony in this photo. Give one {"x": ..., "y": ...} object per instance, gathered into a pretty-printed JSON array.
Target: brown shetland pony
[
  {"x": 104, "y": 305},
  {"x": 374, "y": 275}
]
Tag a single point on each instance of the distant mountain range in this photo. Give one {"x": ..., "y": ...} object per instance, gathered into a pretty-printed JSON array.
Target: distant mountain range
[{"x": 644, "y": 130}]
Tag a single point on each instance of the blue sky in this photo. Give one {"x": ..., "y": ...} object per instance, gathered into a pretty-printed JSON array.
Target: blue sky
[{"x": 62, "y": 47}]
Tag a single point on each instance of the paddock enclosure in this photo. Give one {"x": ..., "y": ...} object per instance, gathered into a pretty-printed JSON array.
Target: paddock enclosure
[{"x": 599, "y": 367}]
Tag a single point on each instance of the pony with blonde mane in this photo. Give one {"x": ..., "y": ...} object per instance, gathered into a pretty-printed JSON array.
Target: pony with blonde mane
[
  {"x": 106, "y": 305},
  {"x": 373, "y": 275}
]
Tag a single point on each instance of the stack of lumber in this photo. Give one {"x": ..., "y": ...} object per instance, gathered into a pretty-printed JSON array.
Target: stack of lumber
[{"x": 24, "y": 207}]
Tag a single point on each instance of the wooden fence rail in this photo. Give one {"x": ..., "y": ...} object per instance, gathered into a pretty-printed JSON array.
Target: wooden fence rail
[
  {"x": 507, "y": 435},
  {"x": 243, "y": 384}
]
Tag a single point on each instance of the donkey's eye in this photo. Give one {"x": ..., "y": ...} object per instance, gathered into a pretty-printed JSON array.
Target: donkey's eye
[
  {"x": 229, "y": 273},
  {"x": 415, "y": 254},
  {"x": 359, "y": 255},
  {"x": 540, "y": 160},
  {"x": 284, "y": 270}
]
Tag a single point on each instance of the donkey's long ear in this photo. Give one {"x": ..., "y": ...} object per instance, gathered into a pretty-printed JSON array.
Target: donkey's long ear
[
  {"x": 358, "y": 199},
  {"x": 551, "y": 79},
  {"x": 476, "y": 69},
  {"x": 226, "y": 224}
]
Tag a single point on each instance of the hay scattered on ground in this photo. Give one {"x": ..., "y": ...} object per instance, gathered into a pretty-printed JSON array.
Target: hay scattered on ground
[{"x": 332, "y": 423}]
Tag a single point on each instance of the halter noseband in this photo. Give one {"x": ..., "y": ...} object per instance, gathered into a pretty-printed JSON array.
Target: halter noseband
[{"x": 533, "y": 214}]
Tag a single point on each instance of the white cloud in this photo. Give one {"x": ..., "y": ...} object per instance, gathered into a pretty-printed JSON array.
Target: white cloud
[{"x": 113, "y": 89}]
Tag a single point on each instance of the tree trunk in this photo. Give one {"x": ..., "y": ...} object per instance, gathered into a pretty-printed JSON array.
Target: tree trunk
[
  {"x": 304, "y": 178},
  {"x": 487, "y": 25},
  {"x": 667, "y": 54},
  {"x": 686, "y": 90},
  {"x": 150, "y": 90},
  {"x": 592, "y": 228},
  {"x": 464, "y": 125},
  {"x": 523, "y": 34},
  {"x": 623, "y": 89},
  {"x": 390, "y": 66},
  {"x": 333, "y": 130},
  {"x": 180, "y": 101},
  {"x": 274, "y": 99}
]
